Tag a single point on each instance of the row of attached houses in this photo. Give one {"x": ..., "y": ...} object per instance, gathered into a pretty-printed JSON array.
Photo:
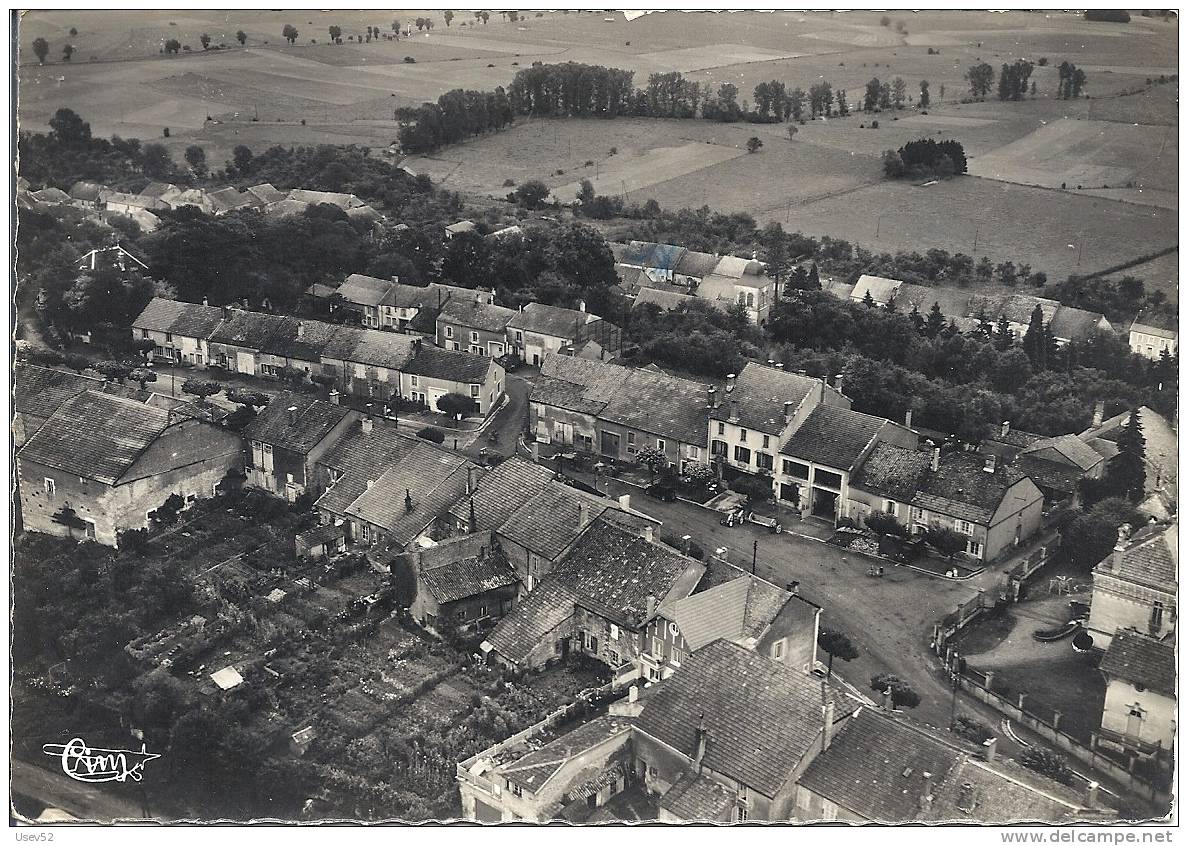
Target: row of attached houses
[
  {"x": 389, "y": 303},
  {"x": 364, "y": 362},
  {"x": 720, "y": 280},
  {"x": 735, "y": 736},
  {"x": 531, "y": 333},
  {"x": 1066, "y": 323}
]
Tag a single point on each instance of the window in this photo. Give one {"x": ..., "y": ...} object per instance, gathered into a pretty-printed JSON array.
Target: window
[
  {"x": 381, "y": 373},
  {"x": 360, "y": 371},
  {"x": 719, "y": 448},
  {"x": 1156, "y": 621},
  {"x": 764, "y": 460},
  {"x": 614, "y": 632},
  {"x": 777, "y": 649},
  {"x": 268, "y": 449},
  {"x": 766, "y": 441},
  {"x": 965, "y": 527},
  {"x": 891, "y": 507},
  {"x": 660, "y": 444},
  {"x": 796, "y": 469},
  {"x": 416, "y": 381},
  {"x": 974, "y": 548},
  {"x": 676, "y": 657},
  {"x": 721, "y": 428},
  {"x": 829, "y": 480},
  {"x": 519, "y": 337},
  {"x": 742, "y": 455},
  {"x": 476, "y": 349},
  {"x": 51, "y": 488},
  {"x": 631, "y": 438},
  {"x": 742, "y": 436},
  {"x": 144, "y": 333},
  {"x": 169, "y": 337},
  {"x": 461, "y": 614},
  {"x": 474, "y": 390},
  {"x": 750, "y": 300},
  {"x": 474, "y": 337},
  {"x": 740, "y": 813}
]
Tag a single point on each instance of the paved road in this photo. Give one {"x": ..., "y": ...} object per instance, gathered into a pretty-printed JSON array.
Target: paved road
[{"x": 85, "y": 801}]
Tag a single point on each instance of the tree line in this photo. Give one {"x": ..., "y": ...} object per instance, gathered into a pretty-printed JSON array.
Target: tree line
[
  {"x": 456, "y": 116},
  {"x": 925, "y": 158}
]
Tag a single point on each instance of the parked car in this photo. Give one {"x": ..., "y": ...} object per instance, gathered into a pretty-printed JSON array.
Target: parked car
[{"x": 662, "y": 492}]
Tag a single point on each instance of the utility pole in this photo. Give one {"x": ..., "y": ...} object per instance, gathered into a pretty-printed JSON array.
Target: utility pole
[{"x": 754, "y": 555}]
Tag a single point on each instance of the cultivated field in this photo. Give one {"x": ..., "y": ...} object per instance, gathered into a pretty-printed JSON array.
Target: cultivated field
[{"x": 1119, "y": 147}]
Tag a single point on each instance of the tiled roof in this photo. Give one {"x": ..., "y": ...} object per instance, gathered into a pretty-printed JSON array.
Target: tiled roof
[
  {"x": 299, "y": 339},
  {"x": 449, "y": 365},
  {"x": 503, "y": 491},
  {"x": 525, "y": 627},
  {"x": 960, "y": 488},
  {"x": 672, "y": 299},
  {"x": 370, "y": 347},
  {"x": 697, "y": 797},
  {"x": 1106, "y": 449},
  {"x": 761, "y": 717},
  {"x": 533, "y": 770},
  {"x": 1072, "y": 323},
  {"x": 734, "y": 267},
  {"x": 433, "y": 478},
  {"x": 88, "y": 191},
  {"x": 266, "y": 192},
  {"x": 468, "y": 576},
  {"x": 286, "y": 208},
  {"x": 880, "y": 288},
  {"x": 40, "y": 391},
  {"x": 460, "y": 226},
  {"x": 893, "y": 471},
  {"x": 550, "y": 320},
  {"x": 663, "y": 405},
  {"x": 227, "y": 199},
  {"x": 834, "y": 437},
  {"x": 189, "y": 320},
  {"x": 1150, "y": 558},
  {"x": 1049, "y": 474},
  {"x": 1070, "y": 447},
  {"x": 343, "y": 201},
  {"x": 761, "y": 392},
  {"x": 1141, "y": 660},
  {"x": 159, "y": 189},
  {"x": 476, "y": 315},
  {"x": 366, "y": 290},
  {"x": 882, "y": 768},
  {"x": 320, "y": 534},
  {"x": 712, "y": 614},
  {"x": 697, "y": 264},
  {"x": 548, "y": 522},
  {"x": 249, "y": 329},
  {"x": 96, "y": 436},
  {"x": 360, "y": 456},
  {"x": 613, "y": 570},
  {"x": 650, "y": 254},
  {"x": 299, "y": 430},
  {"x": 1148, "y": 322}
]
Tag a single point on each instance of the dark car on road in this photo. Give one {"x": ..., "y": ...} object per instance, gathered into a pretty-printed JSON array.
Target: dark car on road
[{"x": 664, "y": 493}]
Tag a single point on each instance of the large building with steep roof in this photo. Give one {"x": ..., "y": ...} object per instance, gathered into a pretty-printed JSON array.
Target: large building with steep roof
[
  {"x": 37, "y": 392},
  {"x": 100, "y": 463},
  {"x": 288, "y": 437},
  {"x": 1139, "y": 714},
  {"x": 539, "y": 329},
  {"x": 1134, "y": 587}
]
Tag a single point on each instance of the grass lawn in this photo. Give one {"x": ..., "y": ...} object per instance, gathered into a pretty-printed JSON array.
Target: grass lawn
[
  {"x": 985, "y": 634},
  {"x": 1068, "y": 682}
]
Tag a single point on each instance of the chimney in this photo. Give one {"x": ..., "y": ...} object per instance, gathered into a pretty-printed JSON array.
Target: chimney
[
  {"x": 370, "y": 482},
  {"x": 633, "y": 693},
  {"x": 205, "y": 301},
  {"x": 368, "y": 424},
  {"x": 1123, "y": 539},
  {"x": 837, "y": 382},
  {"x": 470, "y": 484},
  {"x": 907, "y": 419},
  {"x": 734, "y": 411},
  {"x": 292, "y": 409},
  {"x": 988, "y": 467},
  {"x": 583, "y": 515},
  {"x": 730, "y": 382},
  {"x": 581, "y": 305},
  {"x": 408, "y": 503},
  {"x": 965, "y": 799},
  {"x": 990, "y": 749},
  {"x": 226, "y": 312},
  {"x": 1098, "y": 413},
  {"x": 827, "y": 721},
  {"x": 713, "y": 397},
  {"x": 1004, "y": 429},
  {"x": 651, "y": 605},
  {"x": 648, "y": 533},
  {"x": 788, "y": 411},
  {"x": 472, "y": 524},
  {"x": 300, "y": 329},
  {"x": 334, "y": 395},
  {"x": 926, "y": 793},
  {"x": 625, "y": 502},
  {"x": 535, "y": 452},
  {"x": 699, "y": 746},
  {"x": 935, "y": 459},
  {"x": 888, "y": 700}
]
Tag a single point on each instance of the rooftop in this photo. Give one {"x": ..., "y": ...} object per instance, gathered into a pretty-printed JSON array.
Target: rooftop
[
  {"x": 740, "y": 611},
  {"x": 893, "y": 471},
  {"x": 1142, "y": 660},
  {"x": 371, "y": 347},
  {"x": 698, "y": 796},
  {"x": 295, "y": 422},
  {"x": 96, "y": 436},
  {"x": 40, "y": 391},
  {"x": 1069, "y": 447},
  {"x": 360, "y": 456},
  {"x": 550, "y": 320},
  {"x": 1149, "y": 558},
  {"x": 467, "y": 576},
  {"x": 187, "y": 319},
  {"x": 660, "y": 404},
  {"x": 760, "y": 393},
  {"x": 366, "y": 290},
  {"x": 833, "y": 437},
  {"x": 533, "y": 770},
  {"x": 578, "y": 384},
  {"x": 961, "y": 488},
  {"x": 476, "y": 315},
  {"x": 761, "y": 717},
  {"x": 449, "y": 365},
  {"x": 503, "y": 491}
]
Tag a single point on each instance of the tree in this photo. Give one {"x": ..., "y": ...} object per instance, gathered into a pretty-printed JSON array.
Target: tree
[
  {"x": 870, "y": 100},
  {"x": 67, "y": 52},
  {"x": 1044, "y": 761},
  {"x": 755, "y": 488},
  {"x": 902, "y": 694},
  {"x": 116, "y": 371},
  {"x": 1090, "y": 536},
  {"x": 172, "y": 47},
  {"x": 893, "y": 164},
  {"x": 68, "y": 129},
  {"x": 1127, "y": 471},
  {"x": 981, "y": 79},
  {"x": 753, "y": 144},
  {"x": 40, "y": 49},
  {"x": 456, "y": 405},
  {"x": 945, "y": 541},
  {"x": 836, "y": 645},
  {"x": 1035, "y": 341},
  {"x": 204, "y": 39},
  {"x": 448, "y": 15},
  {"x": 882, "y": 523},
  {"x": 585, "y": 194},
  {"x": 142, "y": 375},
  {"x": 196, "y": 158},
  {"x": 652, "y": 458},
  {"x": 925, "y": 97},
  {"x": 241, "y": 37},
  {"x": 792, "y": 130},
  {"x": 531, "y": 194},
  {"x": 290, "y": 33},
  {"x": 431, "y": 433},
  {"x": 843, "y": 103},
  {"x": 795, "y": 105},
  {"x": 935, "y": 322},
  {"x": 241, "y": 158},
  {"x": 898, "y": 92},
  {"x": 1004, "y": 335},
  {"x": 201, "y": 388}
]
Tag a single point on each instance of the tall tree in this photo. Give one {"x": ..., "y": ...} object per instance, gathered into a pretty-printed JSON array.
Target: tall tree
[
  {"x": 870, "y": 100},
  {"x": 196, "y": 158},
  {"x": 898, "y": 92},
  {"x": 448, "y": 14},
  {"x": 290, "y": 33},
  {"x": 1035, "y": 341},
  {"x": 795, "y": 106},
  {"x": 1004, "y": 336},
  {"x": 204, "y": 40},
  {"x": 67, "y": 52},
  {"x": 935, "y": 322},
  {"x": 1128, "y": 469},
  {"x": 836, "y": 645},
  {"x": 40, "y": 49},
  {"x": 241, "y": 37},
  {"x": 981, "y": 79},
  {"x": 925, "y": 98}
]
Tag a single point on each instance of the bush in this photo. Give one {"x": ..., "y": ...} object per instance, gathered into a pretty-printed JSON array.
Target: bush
[
  {"x": 1046, "y": 763},
  {"x": 755, "y": 488},
  {"x": 882, "y": 523},
  {"x": 409, "y": 60},
  {"x": 902, "y": 694},
  {"x": 973, "y": 729},
  {"x": 432, "y": 433}
]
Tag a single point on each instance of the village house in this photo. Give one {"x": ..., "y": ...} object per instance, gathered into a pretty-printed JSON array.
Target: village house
[
  {"x": 568, "y": 397},
  {"x": 1152, "y": 333},
  {"x": 761, "y": 407},
  {"x": 180, "y": 330},
  {"x": 994, "y": 506},
  {"x": 375, "y": 301},
  {"x": 367, "y": 363},
  {"x": 668, "y": 300},
  {"x": 433, "y": 372},
  {"x": 88, "y": 195},
  {"x": 1055, "y": 464},
  {"x": 474, "y": 326},
  {"x": 461, "y": 583},
  {"x": 286, "y": 439},
  {"x": 597, "y": 600},
  {"x": 1134, "y": 587},
  {"x": 1139, "y": 715},
  {"x": 37, "y": 392},
  {"x": 878, "y": 767},
  {"x": 229, "y": 199},
  {"x": 459, "y": 227},
  {"x": 320, "y": 541},
  {"x": 818, "y": 459},
  {"x": 118, "y": 202},
  {"x": 736, "y": 606},
  {"x": 539, "y": 329},
  {"x": 100, "y": 463}
]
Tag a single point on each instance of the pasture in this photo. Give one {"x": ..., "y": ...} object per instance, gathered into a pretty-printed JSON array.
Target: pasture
[{"x": 1120, "y": 146}]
